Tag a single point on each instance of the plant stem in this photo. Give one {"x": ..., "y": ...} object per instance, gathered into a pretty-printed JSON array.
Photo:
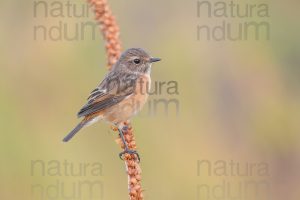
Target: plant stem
[{"x": 110, "y": 31}]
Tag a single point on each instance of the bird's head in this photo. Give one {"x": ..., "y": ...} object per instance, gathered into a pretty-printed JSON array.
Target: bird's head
[{"x": 135, "y": 60}]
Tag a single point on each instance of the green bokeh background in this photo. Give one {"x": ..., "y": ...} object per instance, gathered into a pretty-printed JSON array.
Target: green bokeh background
[{"x": 238, "y": 100}]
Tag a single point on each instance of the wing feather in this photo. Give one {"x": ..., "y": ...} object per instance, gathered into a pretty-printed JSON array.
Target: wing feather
[
  {"x": 98, "y": 106},
  {"x": 112, "y": 90}
]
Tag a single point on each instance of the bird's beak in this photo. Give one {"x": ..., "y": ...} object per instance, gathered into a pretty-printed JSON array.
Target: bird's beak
[{"x": 154, "y": 60}]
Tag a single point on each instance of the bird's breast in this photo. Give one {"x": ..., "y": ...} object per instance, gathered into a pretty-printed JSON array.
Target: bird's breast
[{"x": 143, "y": 85}]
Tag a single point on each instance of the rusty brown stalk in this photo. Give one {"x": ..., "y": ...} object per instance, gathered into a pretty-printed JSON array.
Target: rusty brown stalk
[{"x": 110, "y": 31}]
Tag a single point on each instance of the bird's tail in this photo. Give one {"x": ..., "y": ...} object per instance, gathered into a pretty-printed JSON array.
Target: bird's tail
[{"x": 74, "y": 131}]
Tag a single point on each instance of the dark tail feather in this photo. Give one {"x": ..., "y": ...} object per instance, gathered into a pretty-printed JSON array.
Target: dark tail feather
[{"x": 74, "y": 131}]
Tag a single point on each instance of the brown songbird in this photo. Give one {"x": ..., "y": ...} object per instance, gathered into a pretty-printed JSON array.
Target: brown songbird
[{"x": 121, "y": 94}]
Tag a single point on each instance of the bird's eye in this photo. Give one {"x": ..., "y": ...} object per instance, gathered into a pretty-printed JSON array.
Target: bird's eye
[{"x": 137, "y": 61}]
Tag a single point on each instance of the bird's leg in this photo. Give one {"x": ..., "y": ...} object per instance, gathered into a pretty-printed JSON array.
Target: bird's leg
[{"x": 127, "y": 150}]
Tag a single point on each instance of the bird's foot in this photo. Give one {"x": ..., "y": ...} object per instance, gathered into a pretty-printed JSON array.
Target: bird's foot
[
  {"x": 130, "y": 152},
  {"x": 125, "y": 128}
]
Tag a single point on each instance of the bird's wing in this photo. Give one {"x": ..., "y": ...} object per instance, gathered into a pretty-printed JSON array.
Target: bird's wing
[{"x": 112, "y": 90}]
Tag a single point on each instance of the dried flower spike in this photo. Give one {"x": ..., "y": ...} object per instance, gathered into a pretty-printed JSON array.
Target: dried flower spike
[
  {"x": 110, "y": 32},
  {"x": 109, "y": 29}
]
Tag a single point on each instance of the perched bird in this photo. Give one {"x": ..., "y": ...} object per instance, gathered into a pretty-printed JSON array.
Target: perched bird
[{"x": 121, "y": 94}]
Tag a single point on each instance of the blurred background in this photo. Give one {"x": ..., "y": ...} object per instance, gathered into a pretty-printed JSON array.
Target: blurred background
[{"x": 238, "y": 100}]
